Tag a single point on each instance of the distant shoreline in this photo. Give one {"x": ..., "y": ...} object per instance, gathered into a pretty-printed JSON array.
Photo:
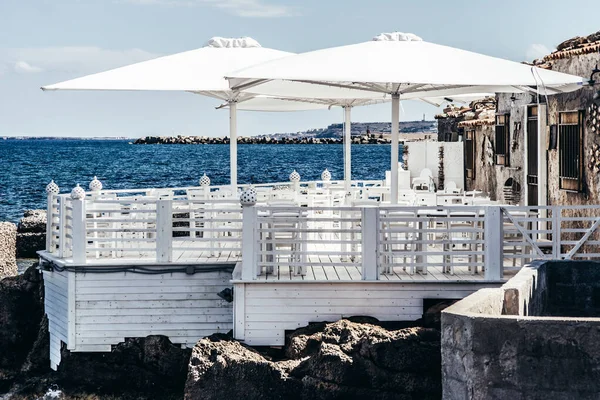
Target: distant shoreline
[{"x": 63, "y": 138}]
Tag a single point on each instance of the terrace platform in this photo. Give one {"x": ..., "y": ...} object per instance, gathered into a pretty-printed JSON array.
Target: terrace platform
[{"x": 120, "y": 264}]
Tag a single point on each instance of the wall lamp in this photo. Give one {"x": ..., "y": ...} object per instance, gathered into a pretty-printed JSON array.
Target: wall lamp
[{"x": 226, "y": 294}]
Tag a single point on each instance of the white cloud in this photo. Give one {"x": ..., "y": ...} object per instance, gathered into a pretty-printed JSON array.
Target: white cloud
[
  {"x": 241, "y": 8},
  {"x": 70, "y": 59},
  {"x": 536, "y": 51},
  {"x": 23, "y": 67}
]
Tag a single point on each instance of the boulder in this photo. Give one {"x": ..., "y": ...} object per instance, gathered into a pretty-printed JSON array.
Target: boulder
[
  {"x": 31, "y": 233},
  {"x": 8, "y": 243},
  {"x": 324, "y": 361},
  {"x": 150, "y": 367},
  {"x": 33, "y": 221},
  {"x": 221, "y": 368},
  {"x": 21, "y": 311},
  {"x": 432, "y": 317},
  {"x": 29, "y": 243}
]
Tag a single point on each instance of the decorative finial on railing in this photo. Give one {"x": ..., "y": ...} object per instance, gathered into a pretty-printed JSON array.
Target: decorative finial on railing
[
  {"x": 248, "y": 197},
  {"x": 78, "y": 193},
  {"x": 95, "y": 185},
  {"x": 326, "y": 175},
  {"x": 294, "y": 176},
  {"x": 204, "y": 181},
  {"x": 52, "y": 188}
]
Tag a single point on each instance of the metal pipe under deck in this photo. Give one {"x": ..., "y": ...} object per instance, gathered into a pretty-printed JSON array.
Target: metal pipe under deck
[
  {"x": 233, "y": 145},
  {"x": 347, "y": 147},
  {"x": 395, "y": 144}
]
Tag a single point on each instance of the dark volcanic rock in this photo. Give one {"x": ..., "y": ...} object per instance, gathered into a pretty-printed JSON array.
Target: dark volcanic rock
[
  {"x": 432, "y": 317},
  {"x": 31, "y": 233},
  {"x": 328, "y": 361},
  {"x": 33, "y": 221},
  {"x": 21, "y": 311},
  {"x": 150, "y": 367},
  {"x": 38, "y": 359},
  {"x": 221, "y": 368},
  {"x": 29, "y": 243}
]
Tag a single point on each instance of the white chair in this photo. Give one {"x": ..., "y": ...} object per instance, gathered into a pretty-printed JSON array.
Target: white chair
[
  {"x": 227, "y": 225},
  {"x": 451, "y": 188},
  {"x": 285, "y": 235}
]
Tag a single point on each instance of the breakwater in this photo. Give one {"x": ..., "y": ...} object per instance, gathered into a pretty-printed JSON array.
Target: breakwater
[{"x": 364, "y": 139}]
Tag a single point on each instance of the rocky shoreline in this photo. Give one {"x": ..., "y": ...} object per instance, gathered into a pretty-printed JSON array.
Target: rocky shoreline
[{"x": 364, "y": 139}]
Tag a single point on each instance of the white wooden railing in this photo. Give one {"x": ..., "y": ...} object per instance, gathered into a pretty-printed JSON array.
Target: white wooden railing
[
  {"x": 182, "y": 226},
  {"x": 372, "y": 241}
]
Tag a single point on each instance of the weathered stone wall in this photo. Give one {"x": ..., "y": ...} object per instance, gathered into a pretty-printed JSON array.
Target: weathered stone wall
[
  {"x": 510, "y": 358},
  {"x": 487, "y": 354},
  {"x": 485, "y": 169},
  {"x": 574, "y": 289},
  {"x": 8, "y": 242},
  {"x": 516, "y": 106},
  {"x": 579, "y": 100},
  {"x": 527, "y": 292}
]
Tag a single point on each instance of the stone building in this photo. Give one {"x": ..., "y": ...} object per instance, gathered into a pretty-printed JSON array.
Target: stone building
[{"x": 536, "y": 151}]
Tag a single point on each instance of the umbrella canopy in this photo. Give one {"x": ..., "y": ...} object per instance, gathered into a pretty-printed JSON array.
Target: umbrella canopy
[
  {"x": 400, "y": 63},
  {"x": 397, "y": 65},
  {"x": 200, "y": 71}
]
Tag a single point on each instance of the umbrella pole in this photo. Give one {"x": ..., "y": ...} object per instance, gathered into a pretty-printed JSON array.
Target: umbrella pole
[
  {"x": 395, "y": 144},
  {"x": 233, "y": 145},
  {"x": 347, "y": 148}
]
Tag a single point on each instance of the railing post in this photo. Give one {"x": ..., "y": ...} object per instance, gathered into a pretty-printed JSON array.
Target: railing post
[
  {"x": 62, "y": 225},
  {"x": 556, "y": 216},
  {"x": 79, "y": 234},
  {"x": 494, "y": 243},
  {"x": 205, "y": 185},
  {"x": 164, "y": 230},
  {"x": 370, "y": 234},
  {"x": 49, "y": 248},
  {"x": 249, "y": 237},
  {"x": 52, "y": 190},
  {"x": 295, "y": 180}
]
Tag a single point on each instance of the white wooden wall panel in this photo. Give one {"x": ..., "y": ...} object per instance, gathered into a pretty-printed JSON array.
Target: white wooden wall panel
[
  {"x": 272, "y": 308},
  {"x": 112, "y": 307},
  {"x": 56, "y": 308}
]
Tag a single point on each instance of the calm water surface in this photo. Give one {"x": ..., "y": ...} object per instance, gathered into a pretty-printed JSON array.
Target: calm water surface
[{"x": 26, "y": 166}]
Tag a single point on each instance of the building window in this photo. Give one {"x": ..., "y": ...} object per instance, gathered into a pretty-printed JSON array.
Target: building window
[
  {"x": 470, "y": 153},
  {"x": 502, "y": 149},
  {"x": 570, "y": 150}
]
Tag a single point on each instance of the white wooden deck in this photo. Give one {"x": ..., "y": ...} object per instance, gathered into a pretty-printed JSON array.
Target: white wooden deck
[
  {"x": 353, "y": 274},
  {"x": 323, "y": 263}
]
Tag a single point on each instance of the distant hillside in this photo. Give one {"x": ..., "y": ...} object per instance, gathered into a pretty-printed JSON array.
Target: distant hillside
[{"x": 361, "y": 128}]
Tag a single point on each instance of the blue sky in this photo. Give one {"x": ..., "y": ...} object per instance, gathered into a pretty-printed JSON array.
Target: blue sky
[{"x": 47, "y": 41}]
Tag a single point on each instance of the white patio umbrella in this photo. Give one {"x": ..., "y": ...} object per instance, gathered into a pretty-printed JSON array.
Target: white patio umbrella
[
  {"x": 200, "y": 71},
  {"x": 397, "y": 65},
  {"x": 279, "y": 104}
]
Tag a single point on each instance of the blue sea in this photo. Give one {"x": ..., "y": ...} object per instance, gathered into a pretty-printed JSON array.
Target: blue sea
[{"x": 26, "y": 166}]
